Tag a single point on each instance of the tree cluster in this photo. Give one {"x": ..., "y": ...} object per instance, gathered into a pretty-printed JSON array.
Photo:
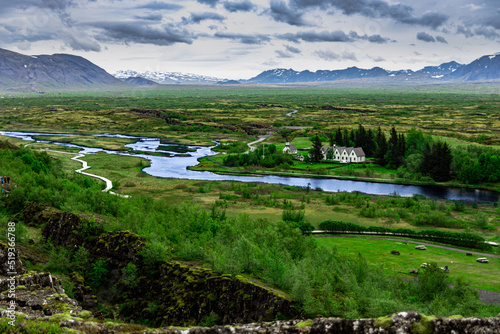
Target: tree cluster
[{"x": 267, "y": 157}]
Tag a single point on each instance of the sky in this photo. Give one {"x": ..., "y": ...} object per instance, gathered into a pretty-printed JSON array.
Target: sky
[{"x": 238, "y": 39}]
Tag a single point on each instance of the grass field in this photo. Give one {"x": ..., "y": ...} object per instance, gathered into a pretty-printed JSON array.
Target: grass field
[{"x": 481, "y": 275}]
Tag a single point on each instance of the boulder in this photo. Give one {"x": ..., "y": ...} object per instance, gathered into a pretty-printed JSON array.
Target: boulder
[
  {"x": 395, "y": 252},
  {"x": 421, "y": 247},
  {"x": 482, "y": 260}
]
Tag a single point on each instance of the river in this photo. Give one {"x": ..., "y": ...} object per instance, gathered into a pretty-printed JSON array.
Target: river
[{"x": 176, "y": 167}]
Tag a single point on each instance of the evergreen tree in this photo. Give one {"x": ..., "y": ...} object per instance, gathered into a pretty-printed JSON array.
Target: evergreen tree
[
  {"x": 371, "y": 144},
  {"x": 315, "y": 151},
  {"x": 393, "y": 156},
  {"x": 331, "y": 138},
  {"x": 436, "y": 162},
  {"x": 345, "y": 137},
  {"x": 381, "y": 150},
  {"x": 339, "y": 140}
]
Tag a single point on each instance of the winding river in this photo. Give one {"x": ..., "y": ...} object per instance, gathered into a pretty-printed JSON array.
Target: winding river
[{"x": 176, "y": 167}]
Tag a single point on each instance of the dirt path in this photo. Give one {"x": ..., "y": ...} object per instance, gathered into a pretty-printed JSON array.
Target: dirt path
[
  {"x": 85, "y": 166},
  {"x": 261, "y": 138}
]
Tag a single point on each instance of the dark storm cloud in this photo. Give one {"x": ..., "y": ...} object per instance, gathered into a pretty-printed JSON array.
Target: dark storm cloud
[
  {"x": 280, "y": 12},
  {"x": 158, "y": 5},
  {"x": 243, "y": 38},
  {"x": 151, "y": 17},
  {"x": 211, "y": 3},
  {"x": 241, "y": 6},
  {"x": 330, "y": 36},
  {"x": 372, "y": 9},
  {"x": 423, "y": 36},
  {"x": 199, "y": 17},
  {"x": 136, "y": 32}
]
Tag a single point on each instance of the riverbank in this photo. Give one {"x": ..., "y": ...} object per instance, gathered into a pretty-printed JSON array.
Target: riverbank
[{"x": 211, "y": 165}]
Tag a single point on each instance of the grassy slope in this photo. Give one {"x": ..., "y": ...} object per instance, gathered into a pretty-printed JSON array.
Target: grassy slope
[{"x": 482, "y": 276}]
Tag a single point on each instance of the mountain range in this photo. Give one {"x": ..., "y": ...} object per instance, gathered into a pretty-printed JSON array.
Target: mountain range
[
  {"x": 168, "y": 77},
  {"x": 20, "y": 72}
]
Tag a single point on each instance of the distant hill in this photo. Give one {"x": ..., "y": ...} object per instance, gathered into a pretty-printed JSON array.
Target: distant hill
[
  {"x": 19, "y": 72},
  {"x": 282, "y": 75},
  {"x": 228, "y": 82},
  {"x": 169, "y": 77},
  {"x": 140, "y": 82},
  {"x": 484, "y": 68}
]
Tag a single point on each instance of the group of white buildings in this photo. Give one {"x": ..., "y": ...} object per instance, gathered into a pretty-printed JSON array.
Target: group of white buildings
[{"x": 340, "y": 154}]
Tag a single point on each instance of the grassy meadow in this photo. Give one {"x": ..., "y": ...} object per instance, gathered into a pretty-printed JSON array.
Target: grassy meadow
[{"x": 240, "y": 228}]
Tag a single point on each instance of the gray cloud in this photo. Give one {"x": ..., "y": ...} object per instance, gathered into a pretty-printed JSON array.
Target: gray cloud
[
  {"x": 199, "y": 17},
  {"x": 376, "y": 58},
  {"x": 313, "y": 36},
  {"x": 423, "y": 36},
  {"x": 243, "y": 38},
  {"x": 289, "y": 52},
  {"x": 159, "y": 5},
  {"x": 292, "y": 49},
  {"x": 284, "y": 54},
  {"x": 377, "y": 39},
  {"x": 280, "y": 12},
  {"x": 135, "y": 32},
  {"x": 327, "y": 55},
  {"x": 484, "y": 31},
  {"x": 151, "y": 17},
  {"x": 211, "y": 3},
  {"x": 83, "y": 44},
  {"x": 330, "y": 55},
  {"x": 441, "y": 39},
  {"x": 331, "y": 36},
  {"x": 241, "y": 6},
  {"x": 433, "y": 20},
  {"x": 374, "y": 9}
]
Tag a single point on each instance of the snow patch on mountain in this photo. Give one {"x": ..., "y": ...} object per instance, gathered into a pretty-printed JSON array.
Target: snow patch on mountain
[{"x": 169, "y": 77}]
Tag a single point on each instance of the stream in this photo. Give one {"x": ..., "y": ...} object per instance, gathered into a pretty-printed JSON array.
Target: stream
[{"x": 175, "y": 166}]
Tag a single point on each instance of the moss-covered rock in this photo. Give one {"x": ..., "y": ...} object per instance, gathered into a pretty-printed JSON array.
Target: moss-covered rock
[
  {"x": 187, "y": 295},
  {"x": 7, "y": 265}
]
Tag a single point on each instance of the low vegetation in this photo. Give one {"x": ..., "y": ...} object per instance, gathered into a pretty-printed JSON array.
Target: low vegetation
[{"x": 256, "y": 230}]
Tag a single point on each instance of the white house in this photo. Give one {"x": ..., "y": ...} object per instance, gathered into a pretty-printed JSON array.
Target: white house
[
  {"x": 345, "y": 154},
  {"x": 290, "y": 149}
]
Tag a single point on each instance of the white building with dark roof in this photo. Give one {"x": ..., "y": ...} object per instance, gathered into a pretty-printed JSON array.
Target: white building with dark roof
[
  {"x": 345, "y": 154},
  {"x": 290, "y": 149}
]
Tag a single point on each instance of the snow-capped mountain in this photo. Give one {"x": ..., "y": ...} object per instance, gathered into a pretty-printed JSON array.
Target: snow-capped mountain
[
  {"x": 484, "y": 68},
  {"x": 281, "y": 75},
  {"x": 441, "y": 69},
  {"x": 169, "y": 77}
]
